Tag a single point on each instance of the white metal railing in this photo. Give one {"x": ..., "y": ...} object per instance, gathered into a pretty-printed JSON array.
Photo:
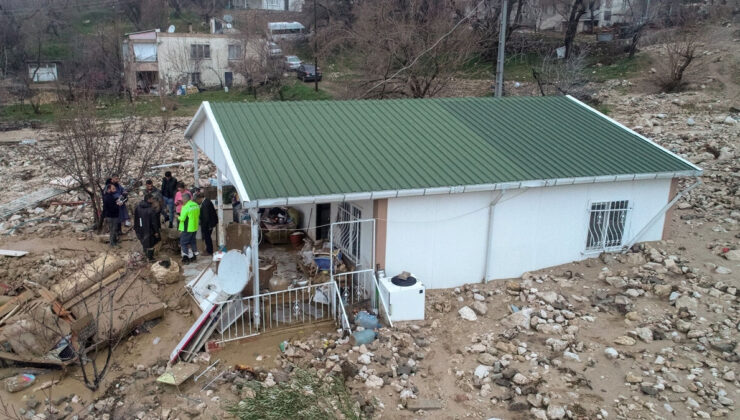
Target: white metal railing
[
  {"x": 301, "y": 305},
  {"x": 606, "y": 225}
]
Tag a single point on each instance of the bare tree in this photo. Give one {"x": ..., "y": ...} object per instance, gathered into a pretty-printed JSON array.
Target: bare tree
[
  {"x": 257, "y": 67},
  {"x": 679, "y": 52},
  {"x": 410, "y": 48},
  {"x": 563, "y": 76},
  {"x": 575, "y": 11},
  {"x": 94, "y": 149},
  {"x": 487, "y": 23},
  {"x": 181, "y": 64}
]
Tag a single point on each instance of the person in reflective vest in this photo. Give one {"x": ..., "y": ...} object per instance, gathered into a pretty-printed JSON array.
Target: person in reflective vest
[{"x": 189, "y": 220}]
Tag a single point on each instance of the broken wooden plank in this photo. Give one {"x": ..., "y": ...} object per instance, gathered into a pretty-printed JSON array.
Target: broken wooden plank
[
  {"x": 12, "y": 253},
  {"x": 116, "y": 275},
  {"x": 16, "y": 301},
  {"x": 29, "y": 200}
]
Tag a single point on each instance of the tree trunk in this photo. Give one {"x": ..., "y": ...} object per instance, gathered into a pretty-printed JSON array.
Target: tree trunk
[{"x": 576, "y": 12}]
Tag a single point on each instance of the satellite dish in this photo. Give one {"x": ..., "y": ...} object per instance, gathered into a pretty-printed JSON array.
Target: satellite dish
[
  {"x": 233, "y": 272},
  {"x": 228, "y": 18},
  {"x": 171, "y": 29},
  {"x": 228, "y": 26}
]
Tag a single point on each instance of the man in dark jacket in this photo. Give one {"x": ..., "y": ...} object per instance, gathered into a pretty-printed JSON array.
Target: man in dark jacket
[
  {"x": 169, "y": 188},
  {"x": 111, "y": 212},
  {"x": 158, "y": 204},
  {"x": 146, "y": 226},
  {"x": 208, "y": 220}
]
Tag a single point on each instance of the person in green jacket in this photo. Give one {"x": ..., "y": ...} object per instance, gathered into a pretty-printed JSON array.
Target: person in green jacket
[{"x": 189, "y": 219}]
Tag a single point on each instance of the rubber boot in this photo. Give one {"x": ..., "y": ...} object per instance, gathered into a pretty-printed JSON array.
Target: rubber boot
[{"x": 150, "y": 254}]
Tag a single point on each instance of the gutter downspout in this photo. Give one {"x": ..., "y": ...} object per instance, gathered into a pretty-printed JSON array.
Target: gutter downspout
[
  {"x": 489, "y": 238},
  {"x": 660, "y": 214}
]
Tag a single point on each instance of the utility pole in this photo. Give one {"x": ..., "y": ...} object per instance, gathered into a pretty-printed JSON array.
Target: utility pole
[
  {"x": 315, "y": 49},
  {"x": 501, "y": 45}
]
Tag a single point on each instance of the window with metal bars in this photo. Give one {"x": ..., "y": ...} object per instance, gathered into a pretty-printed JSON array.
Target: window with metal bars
[{"x": 606, "y": 224}]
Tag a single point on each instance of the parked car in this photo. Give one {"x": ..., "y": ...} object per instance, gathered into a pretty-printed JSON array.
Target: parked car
[
  {"x": 292, "y": 62},
  {"x": 308, "y": 73},
  {"x": 275, "y": 50}
]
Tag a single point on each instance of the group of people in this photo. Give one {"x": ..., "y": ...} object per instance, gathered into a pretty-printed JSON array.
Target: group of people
[{"x": 190, "y": 210}]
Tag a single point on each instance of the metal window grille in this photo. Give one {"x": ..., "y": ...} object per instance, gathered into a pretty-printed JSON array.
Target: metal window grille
[
  {"x": 348, "y": 234},
  {"x": 606, "y": 224}
]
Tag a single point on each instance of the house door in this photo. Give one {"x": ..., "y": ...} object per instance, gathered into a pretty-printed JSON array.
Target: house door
[
  {"x": 323, "y": 219},
  {"x": 287, "y": 4},
  {"x": 229, "y": 78}
]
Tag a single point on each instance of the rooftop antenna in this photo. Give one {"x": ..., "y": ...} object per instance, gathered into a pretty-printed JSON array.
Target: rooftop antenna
[
  {"x": 228, "y": 19},
  {"x": 171, "y": 29}
]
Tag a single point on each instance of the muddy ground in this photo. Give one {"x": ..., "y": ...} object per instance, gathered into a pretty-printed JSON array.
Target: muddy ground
[{"x": 668, "y": 312}]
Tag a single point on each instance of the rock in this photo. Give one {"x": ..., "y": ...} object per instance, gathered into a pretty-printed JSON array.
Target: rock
[
  {"x": 645, "y": 334},
  {"x": 467, "y": 314},
  {"x": 686, "y": 303},
  {"x": 519, "y": 319},
  {"x": 729, "y": 120},
  {"x": 538, "y": 413},
  {"x": 729, "y": 376},
  {"x": 617, "y": 282},
  {"x": 479, "y": 297},
  {"x": 623, "y": 304},
  {"x": 486, "y": 359},
  {"x": 374, "y": 382},
  {"x": 482, "y": 371},
  {"x": 364, "y": 359},
  {"x": 725, "y": 401},
  {"x": 571, "y": 356},
  {"x": 557, "y": 345},
  {"x": 424, "y": 404},
  {"x": 690, "y": 122},
  {"x": 480, "y": 308},
  {"x": 733, "y": 255},
  {"x": 625, "y": 341},
  {"x": 611, "y": 353},
  {"x": 722, "y": 270},
  {"x": 662, "y": 290},
  {"x": 649, "y": 388},
  {"x": 513, "y": 286},
  {"x": 632, "y": 378},
  {"x": 520, "y": 379},
  {"x": 549, "y": 296},
  {"x": 555, "y": 412}
]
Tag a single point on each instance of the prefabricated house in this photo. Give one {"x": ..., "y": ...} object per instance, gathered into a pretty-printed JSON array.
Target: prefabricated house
[
  {"x": 45, "y": 71},
  {"x": 454, "y": 190}
]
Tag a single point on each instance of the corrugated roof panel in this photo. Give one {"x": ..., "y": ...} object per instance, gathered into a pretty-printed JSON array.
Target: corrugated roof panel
[{"x": 294, "y": 149}]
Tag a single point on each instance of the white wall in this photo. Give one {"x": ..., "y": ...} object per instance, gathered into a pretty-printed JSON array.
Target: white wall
[
  {"x": 543, "y": 227},
  {"x": 443, "y": 239}
]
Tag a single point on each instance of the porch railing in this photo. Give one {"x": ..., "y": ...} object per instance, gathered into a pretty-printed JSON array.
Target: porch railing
[{"x": 287, "y": 308}]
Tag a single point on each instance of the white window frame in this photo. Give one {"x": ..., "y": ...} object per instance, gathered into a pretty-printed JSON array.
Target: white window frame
[
  {"x": 237, "y": 52},
  {"x": 601, "y": 218}
]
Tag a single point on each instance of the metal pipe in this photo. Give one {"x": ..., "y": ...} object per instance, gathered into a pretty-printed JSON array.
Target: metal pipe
[
  {"x": 489, "y": 238},
  {"x": 660, "y": 214},
  {"x": 220, "y": 198},
  {"x": 254, "y": 222}
]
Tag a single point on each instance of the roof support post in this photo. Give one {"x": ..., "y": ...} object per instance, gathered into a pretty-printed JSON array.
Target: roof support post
[
  {"x": 220, "y": 198},
  {"x": 255, "y": 242},
  {"x": 195, "y": 164}
]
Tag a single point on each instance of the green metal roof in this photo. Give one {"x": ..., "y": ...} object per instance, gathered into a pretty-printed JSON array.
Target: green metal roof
[{"x": 298, "y": 149}]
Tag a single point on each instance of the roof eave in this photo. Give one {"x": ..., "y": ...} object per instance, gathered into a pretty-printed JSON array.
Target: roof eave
[{"x": 373, "y": 195}]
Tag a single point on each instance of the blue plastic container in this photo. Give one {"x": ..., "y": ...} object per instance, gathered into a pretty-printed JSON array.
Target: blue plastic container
[
  {"x": 324, "y": 263},
  {"x": 366, "y": 320},
  {"x": 363, "y": 337}
]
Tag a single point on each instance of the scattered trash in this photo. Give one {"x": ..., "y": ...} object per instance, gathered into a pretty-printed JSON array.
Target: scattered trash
[
  {"x": 366, "y": 320},
  {"x": 19, "y": 382},
  {"x": 12, "y": 253},
  {"x": 156, "y": 341},
  {"x": 283, "y": 345},
  {"x": 363, "y": 337},
  {"x": 178, "y": 374},
  {"x": 28, "y": 141}
]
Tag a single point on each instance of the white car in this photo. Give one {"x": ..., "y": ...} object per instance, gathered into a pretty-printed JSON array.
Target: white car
[
  {"x": 292, "y": 62},
  {"x": 274, "y": 49}
]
